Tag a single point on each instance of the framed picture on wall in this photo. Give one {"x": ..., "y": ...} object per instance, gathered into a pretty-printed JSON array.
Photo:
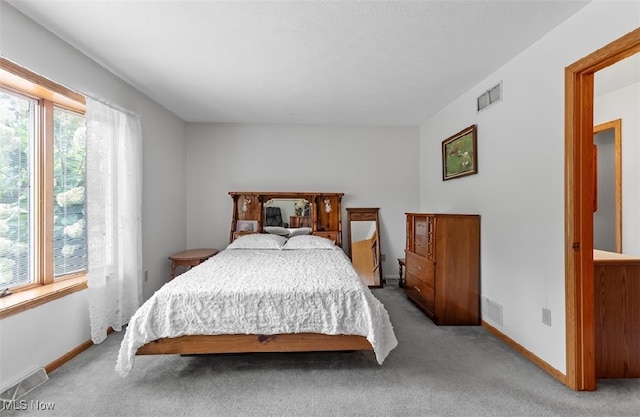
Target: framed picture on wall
[
  {"x": 247, "y": 226},
  {"x": 459, "y": 154}
]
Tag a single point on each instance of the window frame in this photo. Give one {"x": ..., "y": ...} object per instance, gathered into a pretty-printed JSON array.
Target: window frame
[{"x": 49, "y": 95}]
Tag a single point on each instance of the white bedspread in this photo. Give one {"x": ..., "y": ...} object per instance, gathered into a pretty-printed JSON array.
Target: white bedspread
[{"x": 262, "y": 292}]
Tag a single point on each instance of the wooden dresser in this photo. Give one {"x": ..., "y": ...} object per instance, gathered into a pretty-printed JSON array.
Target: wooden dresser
[
  {"x": 617, "y": 314},
  {"x": 443, "y": 266}
]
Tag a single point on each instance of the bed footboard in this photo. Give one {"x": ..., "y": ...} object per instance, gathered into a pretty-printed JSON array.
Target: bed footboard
[{"x": 243, "y": 343}]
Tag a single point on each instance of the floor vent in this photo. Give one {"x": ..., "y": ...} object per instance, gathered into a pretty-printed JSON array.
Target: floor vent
[
  {"x": 491, "y": 96},
  {"x": 37, "y": 378}
]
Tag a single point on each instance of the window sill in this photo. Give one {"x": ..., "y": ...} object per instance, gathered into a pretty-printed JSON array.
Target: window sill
[{"x": 33, "y": 297}]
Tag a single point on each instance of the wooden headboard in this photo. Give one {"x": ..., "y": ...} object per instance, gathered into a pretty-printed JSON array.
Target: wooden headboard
[{"x": 325, "y": 216}]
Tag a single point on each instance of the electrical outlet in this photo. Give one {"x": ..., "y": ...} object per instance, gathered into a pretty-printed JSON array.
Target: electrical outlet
[
  {"x": 383, "y": 257},
  {"x": 546, "y": 316},
  {"x": 146, "y": 275}
]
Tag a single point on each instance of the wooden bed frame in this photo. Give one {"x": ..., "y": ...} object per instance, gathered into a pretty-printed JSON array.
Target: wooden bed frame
[
  {"x": 324, "y": 224},
  {"x": 245, "y": 343}
]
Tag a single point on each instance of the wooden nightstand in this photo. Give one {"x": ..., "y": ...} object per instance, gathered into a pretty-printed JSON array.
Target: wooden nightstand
[{"x": 189, "y": 258}]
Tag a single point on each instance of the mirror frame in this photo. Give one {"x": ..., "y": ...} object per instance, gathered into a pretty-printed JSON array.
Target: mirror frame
[{"x": 367, "y": 214}]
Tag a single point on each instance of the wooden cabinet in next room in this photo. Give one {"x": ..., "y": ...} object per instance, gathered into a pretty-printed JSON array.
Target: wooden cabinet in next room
[{"x": 443, "y": 266}]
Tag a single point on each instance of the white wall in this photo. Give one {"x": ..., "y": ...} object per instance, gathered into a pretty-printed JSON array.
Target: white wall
[
  {"x": 519, "y": 188},
  {"x": 625, "y": 104},
  {"x": 372, "y": 166},
  {"x": 62, "y": 325}
]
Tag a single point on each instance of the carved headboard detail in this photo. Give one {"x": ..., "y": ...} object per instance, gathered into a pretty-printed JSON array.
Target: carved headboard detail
[{"x": 324, "y": 215}]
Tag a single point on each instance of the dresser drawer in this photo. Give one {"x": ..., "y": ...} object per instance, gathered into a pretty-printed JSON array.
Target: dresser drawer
[
  {"x": 329, "y": 235},
  {"x": 411, "y": 280},
  {"x": 420, "y": 226},
  {"x": 421, "y": 292},
  {"x": 420, "y": 245},
  {"x": 422, "y": 241},
  {"x": 416, "y": 265}
]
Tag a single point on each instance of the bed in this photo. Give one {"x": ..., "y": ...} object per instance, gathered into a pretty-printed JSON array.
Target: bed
[{"x": 263, "y": 293}]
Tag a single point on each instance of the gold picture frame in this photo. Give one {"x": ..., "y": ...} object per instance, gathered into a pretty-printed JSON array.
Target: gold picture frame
[{"x": 459, "y": 154}]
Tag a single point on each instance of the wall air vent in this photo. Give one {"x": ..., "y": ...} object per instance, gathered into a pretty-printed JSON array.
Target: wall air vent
[
  {"x": 490, "y": 97},
  {"x": 491, "y": 310}
]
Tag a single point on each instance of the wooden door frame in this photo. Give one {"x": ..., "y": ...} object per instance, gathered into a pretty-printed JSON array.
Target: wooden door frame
[
  {"x": 579, "y": 190},
  {"x": 616, "y": 125}
]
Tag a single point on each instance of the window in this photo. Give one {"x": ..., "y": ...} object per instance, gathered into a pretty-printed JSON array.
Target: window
[
  {"x": 42, "y": 179},
  {"x": 17, "y": 119},
  {"x": 69, "y": 231}
]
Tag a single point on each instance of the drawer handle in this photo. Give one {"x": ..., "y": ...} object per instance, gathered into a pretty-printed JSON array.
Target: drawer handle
[{"x": 418, "y": 289}]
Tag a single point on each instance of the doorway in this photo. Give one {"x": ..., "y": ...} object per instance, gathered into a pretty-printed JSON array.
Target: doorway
[
  {"x": 607, "y": 219},
  {"x": 579, "y": 197}
]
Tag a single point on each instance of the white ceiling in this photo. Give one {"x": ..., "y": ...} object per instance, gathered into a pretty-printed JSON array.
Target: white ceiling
[{"x": 322, "y": 62}]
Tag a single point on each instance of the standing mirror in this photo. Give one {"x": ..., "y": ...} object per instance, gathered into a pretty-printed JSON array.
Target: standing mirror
[{"x": 364, "y": 244}]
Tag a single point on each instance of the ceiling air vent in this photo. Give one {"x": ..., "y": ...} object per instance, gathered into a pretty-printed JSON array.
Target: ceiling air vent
[{"x": 489, "y": 97}]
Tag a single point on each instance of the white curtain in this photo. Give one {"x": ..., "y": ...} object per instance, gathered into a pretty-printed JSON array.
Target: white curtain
[{"x": 114, "y": 200}]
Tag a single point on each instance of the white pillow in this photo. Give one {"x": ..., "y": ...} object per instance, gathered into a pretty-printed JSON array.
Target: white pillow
[
  {"x": 258, "y": 241},
  {"x": 297, "y": 231},
  {"x": 277, "y": 230},
  {"x": 283, "y": 231},
  {"x": 310, "y": 242}
]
